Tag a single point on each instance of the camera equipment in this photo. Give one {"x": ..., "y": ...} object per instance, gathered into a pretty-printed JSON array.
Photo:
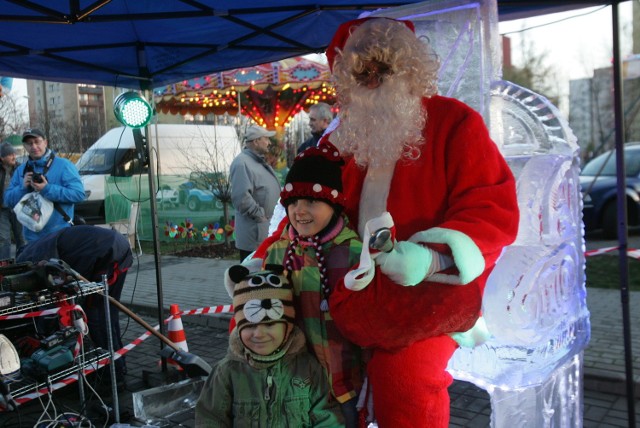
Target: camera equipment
[
  {"x": 37, "y": 177},
  {"x": 58, "y": 338},
  {"x": 24, "y": 277},
  {"x": 53, "y": 275}
]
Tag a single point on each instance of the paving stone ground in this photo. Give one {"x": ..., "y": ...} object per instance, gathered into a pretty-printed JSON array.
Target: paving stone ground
[{"x": 194, "y": 283}]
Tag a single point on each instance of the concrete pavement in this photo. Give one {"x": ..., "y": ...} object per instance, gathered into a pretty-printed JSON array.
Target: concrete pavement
[{"x": 194, "y": 283}]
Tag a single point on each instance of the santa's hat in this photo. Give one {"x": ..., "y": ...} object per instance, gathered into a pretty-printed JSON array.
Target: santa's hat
[
  {"x": 316, "y": 173},
  {"x": 346, "y": 29},
  {"x": 262, "y": 297}
]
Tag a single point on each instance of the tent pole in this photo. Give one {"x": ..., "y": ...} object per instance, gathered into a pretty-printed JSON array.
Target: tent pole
[
  {"x": 151, "y": 155},
  {"x": 622, "y": 213}
]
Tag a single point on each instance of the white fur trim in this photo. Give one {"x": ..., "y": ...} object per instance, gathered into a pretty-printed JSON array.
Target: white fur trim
[
  {"x": 375, "y": 191},
  {"x": 360, "y": 277}
]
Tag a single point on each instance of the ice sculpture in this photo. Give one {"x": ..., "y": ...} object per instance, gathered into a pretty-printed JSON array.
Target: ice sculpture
[{"x": 535, "y": 299}]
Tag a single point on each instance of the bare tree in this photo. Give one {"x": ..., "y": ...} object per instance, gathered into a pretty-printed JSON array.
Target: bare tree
[
  {"x": 535, "y": 73},
  {"x": 13, "y": 117},
  {"x": 64, "y": 136},
  {"x": 69, "y": 137},
  {"x": 210, "y": 170}
]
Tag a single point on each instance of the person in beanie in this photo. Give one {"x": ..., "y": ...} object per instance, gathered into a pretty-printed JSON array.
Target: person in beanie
[
  {"x": 268, "y": 378},
  {"x": 317, "y": 248},
  {"x": 427, "y": 164},
  {"x": 9, "y": 224}
]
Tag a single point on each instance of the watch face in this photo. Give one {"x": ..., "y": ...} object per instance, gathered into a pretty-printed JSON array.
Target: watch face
[{"x": 9, "y": 360}]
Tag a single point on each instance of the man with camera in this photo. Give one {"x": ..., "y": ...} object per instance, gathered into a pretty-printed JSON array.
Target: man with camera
[{"x": 54, "y": 178}]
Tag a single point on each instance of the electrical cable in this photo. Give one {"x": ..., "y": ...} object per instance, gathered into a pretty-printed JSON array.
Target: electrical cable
[
  {"x": 115, "y": 182},
  {"x": 86, "y": 381},
  {"x": 49, "y": 402},
  {"x": 555, "y": 22},
  {"x": 84, "y": 407},
  {"x": 133, "y": 292}
]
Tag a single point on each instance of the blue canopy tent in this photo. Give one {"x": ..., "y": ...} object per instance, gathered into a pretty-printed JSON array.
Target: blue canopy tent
[{"x": 144, "y": 44}]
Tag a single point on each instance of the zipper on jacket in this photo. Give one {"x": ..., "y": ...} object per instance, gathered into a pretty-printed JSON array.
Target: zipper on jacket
[{"x": 267, "y": 391}]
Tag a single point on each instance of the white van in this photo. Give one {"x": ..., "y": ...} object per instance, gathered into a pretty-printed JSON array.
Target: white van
[{"x": 179, "y": 150}]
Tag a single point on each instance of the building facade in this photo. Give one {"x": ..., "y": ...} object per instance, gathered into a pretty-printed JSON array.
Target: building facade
[
  {"x": 591, "y": 111},
  {"x": 73, "y": 116}
]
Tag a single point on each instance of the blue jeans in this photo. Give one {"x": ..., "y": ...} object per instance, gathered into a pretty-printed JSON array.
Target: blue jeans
[
  {"x": 350, "y": 413},
  {"x": 9, "y": 225}
]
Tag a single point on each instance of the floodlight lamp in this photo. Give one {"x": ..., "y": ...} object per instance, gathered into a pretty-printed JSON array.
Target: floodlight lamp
[{"x": 132, "y": 110}]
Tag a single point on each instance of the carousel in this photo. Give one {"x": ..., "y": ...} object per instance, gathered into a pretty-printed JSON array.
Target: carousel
[{"x": 270, "y": 94}]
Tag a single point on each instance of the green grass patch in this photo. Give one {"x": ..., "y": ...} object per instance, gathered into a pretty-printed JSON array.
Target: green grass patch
[{"x": 603, "y": 271}]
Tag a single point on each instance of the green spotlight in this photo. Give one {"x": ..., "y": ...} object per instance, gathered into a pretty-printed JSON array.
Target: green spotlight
[{"x": 132, "y": 110}]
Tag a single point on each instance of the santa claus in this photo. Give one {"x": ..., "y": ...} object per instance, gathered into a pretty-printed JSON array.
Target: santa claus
[{"x": 429, "y": 162}]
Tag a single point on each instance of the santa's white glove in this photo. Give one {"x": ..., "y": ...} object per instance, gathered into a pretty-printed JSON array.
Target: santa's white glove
[
  {"x": 407, "y": 264},
  {"x": 254, "y": 265},
  {"x": 475, "y": 336}
]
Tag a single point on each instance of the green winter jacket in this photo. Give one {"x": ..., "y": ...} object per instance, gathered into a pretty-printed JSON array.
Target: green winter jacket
[{"x": 292, "y": 392}]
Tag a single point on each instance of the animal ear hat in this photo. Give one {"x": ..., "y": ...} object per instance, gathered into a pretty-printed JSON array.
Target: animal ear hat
[{"x": 262, "y": 297}]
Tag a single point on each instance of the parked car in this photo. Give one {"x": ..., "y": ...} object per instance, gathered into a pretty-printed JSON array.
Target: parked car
[
  {"x": 167, "y": 196},
  {"x": 196, "y": 198},
  {"x": 598, "y": 182}
]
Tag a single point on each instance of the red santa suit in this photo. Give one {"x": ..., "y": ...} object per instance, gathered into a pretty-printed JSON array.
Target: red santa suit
[{"x": 458, "y": 197}]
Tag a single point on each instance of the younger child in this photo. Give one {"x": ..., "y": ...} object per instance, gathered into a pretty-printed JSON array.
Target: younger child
[
  {"x": 267, "y": 379},
  {"x": 317, "y": 248}
]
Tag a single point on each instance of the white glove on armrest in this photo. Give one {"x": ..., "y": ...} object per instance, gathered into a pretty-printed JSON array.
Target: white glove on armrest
[
  {"x": 476, "y": 335},
  {"x": 407, "y": 264}
]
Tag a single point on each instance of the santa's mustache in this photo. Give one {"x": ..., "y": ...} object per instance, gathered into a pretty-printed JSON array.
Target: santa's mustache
[{"x": 380, "y": 125}]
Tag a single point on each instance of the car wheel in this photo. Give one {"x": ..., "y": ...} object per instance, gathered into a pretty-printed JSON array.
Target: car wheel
[
  {"x": 610, "y": 218},
  {"x": 610, "y": 221},
  {"x": 219, "y": 204},
  {"x": 193, "y": 204}
]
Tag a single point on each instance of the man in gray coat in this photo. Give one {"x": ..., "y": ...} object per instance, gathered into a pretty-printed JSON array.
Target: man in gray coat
[{"x": 254, "y": 190}]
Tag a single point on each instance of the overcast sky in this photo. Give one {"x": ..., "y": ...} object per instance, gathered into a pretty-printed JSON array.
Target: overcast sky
[{"x": 575, "y": 42}]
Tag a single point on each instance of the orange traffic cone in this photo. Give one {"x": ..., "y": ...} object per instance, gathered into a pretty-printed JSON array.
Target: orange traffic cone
[{"x": 176, "y": 333}]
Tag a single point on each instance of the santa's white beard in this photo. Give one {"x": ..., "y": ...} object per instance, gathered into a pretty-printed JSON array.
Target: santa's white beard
[{"x": 379, "y": 125}]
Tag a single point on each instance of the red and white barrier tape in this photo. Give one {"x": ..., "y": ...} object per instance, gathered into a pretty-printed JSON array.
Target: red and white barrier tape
[
  {"x": 118, "y": 354},
  {"x": 631, "y": 252},
  {"x": 39, "y": 313},
  {"x": 87, "y": 370},
  {"x": 203, "y": 311}
]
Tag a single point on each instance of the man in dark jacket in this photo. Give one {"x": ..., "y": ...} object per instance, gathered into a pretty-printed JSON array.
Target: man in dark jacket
[
  {"x": 320, "y": 116},
  {"x": 9, "y": 224},
  {"x": 91, "y": 251}
]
